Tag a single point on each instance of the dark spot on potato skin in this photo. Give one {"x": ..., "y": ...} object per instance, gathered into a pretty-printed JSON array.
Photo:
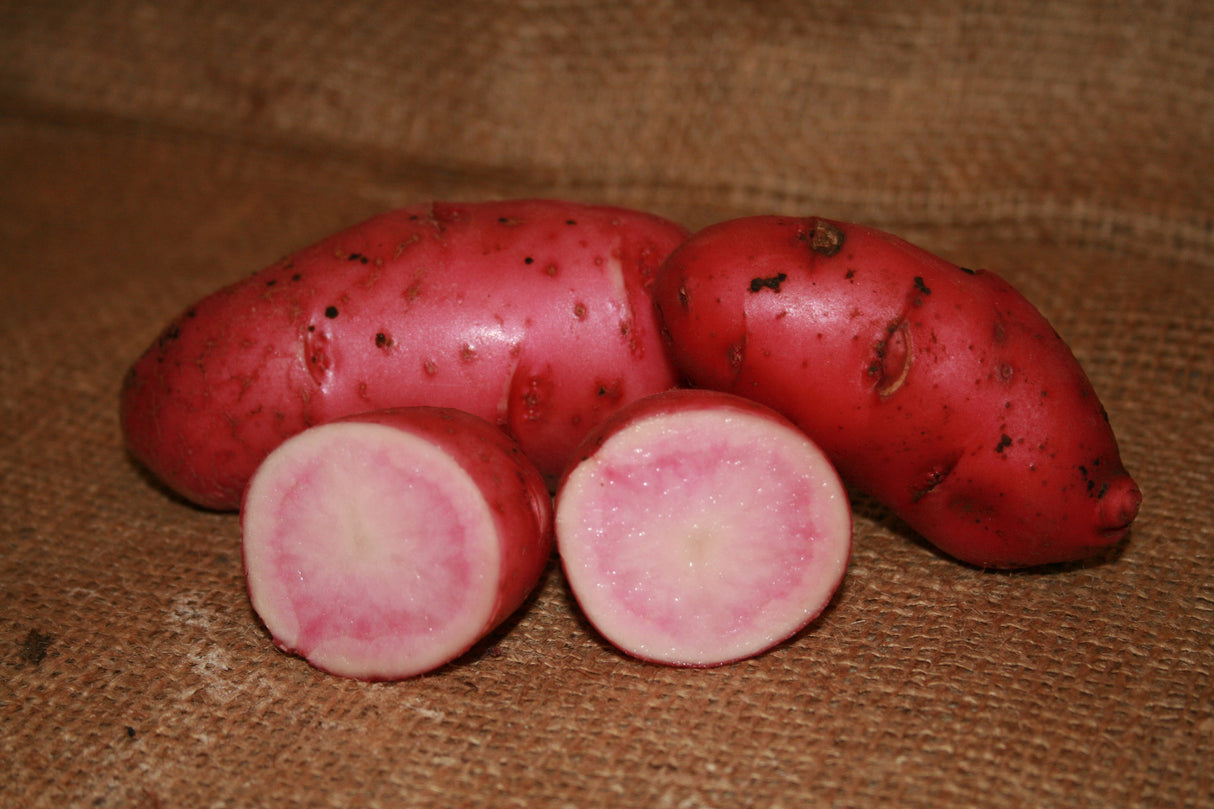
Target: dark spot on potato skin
[
  {"x": 168, "y": 336},
  {"x": 737, "y": 352},
  {"x": 535, "y": 399},
  {"x": 383, "y": 341},
  {"x": 413, "y": 291},
  {"x": 936, "y": 476},
  {"x": 612, "y": 391},
  {"x": 825, "y": 239},
  {"x": 921, "y": 285},
  {"x": 331, "y": 312},
  {"x": 773, "y": 283},
  {"x": 1005, "y": 441}
]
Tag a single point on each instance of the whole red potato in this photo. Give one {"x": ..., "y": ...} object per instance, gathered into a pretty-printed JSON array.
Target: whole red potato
[
  {"x": 939, "y": 390},
  {"x": 532, "y": 314}
]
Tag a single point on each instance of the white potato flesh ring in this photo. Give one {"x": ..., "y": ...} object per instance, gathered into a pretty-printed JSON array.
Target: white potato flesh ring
[
  {"x": 702, "y": 537},
  {"x": 369, "y": 551}
]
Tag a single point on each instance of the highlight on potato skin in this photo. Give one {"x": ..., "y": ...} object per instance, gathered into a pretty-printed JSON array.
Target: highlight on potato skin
[
  {"x": 532, "y": 314},
  {"x": 939, "y": 390}
]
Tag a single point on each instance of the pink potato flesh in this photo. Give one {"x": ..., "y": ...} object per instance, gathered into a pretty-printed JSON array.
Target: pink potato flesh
[
  {"x": 383, "y": 546},
  {"x": 699, "y": 529}
]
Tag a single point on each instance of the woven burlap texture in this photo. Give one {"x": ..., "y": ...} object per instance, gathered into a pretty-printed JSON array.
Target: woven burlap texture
[{"x": 153, "y": 151}]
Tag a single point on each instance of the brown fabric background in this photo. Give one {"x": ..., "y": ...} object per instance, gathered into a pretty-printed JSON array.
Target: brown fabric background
[{"x": 150, "y": 151}]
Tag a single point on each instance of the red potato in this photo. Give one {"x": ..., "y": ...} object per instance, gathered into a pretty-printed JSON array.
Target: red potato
[
  {"x": 697, "y": 528},
  {"x": 385, "y": 545},
  {"x": 939, "y": 390},
  {"x": 532, "y": 314}
]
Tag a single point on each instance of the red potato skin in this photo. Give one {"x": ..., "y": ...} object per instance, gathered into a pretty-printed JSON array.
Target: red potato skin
[
  {"x": 941, "y": 391},
  {"x": 532, "y": 314},
  {"x": 516, "y": 493}
]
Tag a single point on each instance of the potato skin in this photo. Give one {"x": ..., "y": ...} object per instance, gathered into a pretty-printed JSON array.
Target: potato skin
[
  {"x": 939, "y": 390},
  {"x": 532, "y": 314}
]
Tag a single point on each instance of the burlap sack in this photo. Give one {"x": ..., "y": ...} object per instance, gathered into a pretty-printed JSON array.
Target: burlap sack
[{"x": 152, "y": 151}]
